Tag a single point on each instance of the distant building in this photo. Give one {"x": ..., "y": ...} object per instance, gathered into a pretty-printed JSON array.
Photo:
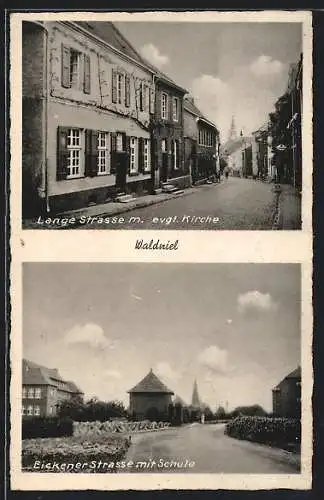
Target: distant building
[
  {"x": 150, "y": 398},
  {"x": 201, "y": 141},
  {"x": 43, "y": 388},
  {"x": 262, "y": 153},
  {"x": 286, "y": 396},
  {"x": 238, "y": 154}
]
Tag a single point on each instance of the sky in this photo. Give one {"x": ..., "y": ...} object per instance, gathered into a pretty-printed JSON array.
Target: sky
[
  {"x": 233, "y": 327},
  {"x": 235, "y": 69}
]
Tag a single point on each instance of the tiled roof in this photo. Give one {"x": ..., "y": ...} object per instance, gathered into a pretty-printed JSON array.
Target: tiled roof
[
  {"x": 35, "y": 374},
  {"x": 108, "y": 33},
  {"x": 151, "y": 383},
  {"x": 190, "y": 106}
]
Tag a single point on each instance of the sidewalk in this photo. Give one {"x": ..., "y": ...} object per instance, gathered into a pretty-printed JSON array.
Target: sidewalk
[
  {"x": 111, "y": 208},
  {"x": 289, "y": 208}
]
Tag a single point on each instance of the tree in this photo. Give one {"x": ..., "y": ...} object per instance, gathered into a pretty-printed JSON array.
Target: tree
[
  {"x": 92, "y": 410},
  {"x": 220, "y": 413},
  {"x": 251, "y": 411}
]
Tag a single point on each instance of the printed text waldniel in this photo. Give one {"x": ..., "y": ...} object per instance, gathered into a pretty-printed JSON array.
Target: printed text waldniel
[{"x": 156, "y": 245}]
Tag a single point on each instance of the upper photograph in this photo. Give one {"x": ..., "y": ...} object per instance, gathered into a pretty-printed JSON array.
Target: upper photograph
[{"x": 162, "y": 124}]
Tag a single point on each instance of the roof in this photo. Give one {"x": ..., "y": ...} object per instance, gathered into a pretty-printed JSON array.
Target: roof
[
  {"x": 108, "y": 33},
  {"x": 162, "y": 76},
  {"x": 35, "y": 374},
  {"x": 295, "y": 374},
  {"x": 151, "y": 383},
  {"x": 190, "y": 106},
  {"x": 178, "y": 400}
]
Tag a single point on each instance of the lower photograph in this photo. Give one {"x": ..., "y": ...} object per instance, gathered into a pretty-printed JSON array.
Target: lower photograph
[{"x": 132, "y": 368}]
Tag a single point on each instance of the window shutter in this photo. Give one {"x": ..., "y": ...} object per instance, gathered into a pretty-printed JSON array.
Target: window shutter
[
  {"x": 127, "y": 91},
  {"x": 91, "y": 153},
  {"x": 141, "y": 154},
  {"x": 114, "y": 87},
  {"x": 142, "y": 94},
  {"x": 152, "y": 100},
  {"x": 113, "y": 148},
  {"x": 62, "y": 153},
  {"x": 86, "y": 81},
  {"x": 65, "y": 66},
  {"x": 177, "y": 145}
]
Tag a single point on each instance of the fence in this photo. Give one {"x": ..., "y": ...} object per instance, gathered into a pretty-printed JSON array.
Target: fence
[{"x": 99, "y": 428}]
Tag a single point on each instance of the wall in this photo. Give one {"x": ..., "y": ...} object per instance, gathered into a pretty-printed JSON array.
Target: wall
[
  {"x": 33, "y": 91},
  {"x": 190, "y": 128},
  {"x": 140, "y": 403},
  {"x": 285, "y": 402}
]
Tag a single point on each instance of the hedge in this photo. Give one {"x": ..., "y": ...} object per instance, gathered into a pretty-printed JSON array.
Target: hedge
[
  {"x": 280, "y": 432},
  {"x": 43, "y": 427}
]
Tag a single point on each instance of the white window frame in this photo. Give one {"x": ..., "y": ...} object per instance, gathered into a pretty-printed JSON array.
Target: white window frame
[
  {"x": 37, "y": 393},
  {"x": 103, "y": 153},
  {"x": 30, "y": 410},
  {"x": 120, "y": 81},
  {"x": 75, "y": 83},
  {"x": 175, "y": 109},
  {"x": 75, "y": 146},
  {"x": 164, "y": 106},
  {"x": 133, "y": 158},
  {"x": 119, "y": 142},
  {"x": 30, "y": 393},
  {"x": 24, "y": 393},
  {"x": 147, "y": 155},
  {"x": 36, "y": 410},
  {"x": 164, "y": 146}
]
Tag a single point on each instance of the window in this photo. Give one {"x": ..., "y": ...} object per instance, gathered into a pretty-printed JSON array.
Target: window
[
  {"x": 147, "y": 157},
  {"x": 119, "y": 142},
  {"x": 175, "y": 155},
  {"x": 36, "y": 411},
  {"x": 103, "y": 153},
  {"x": 74, "y": 68},
  {"x": 24, "y": 393},
  {"x": 30, "y": 393},
  {"x": 51, "y": 410},
  {"x": 38, "y": 393},
  {"x": 74, "y": 148},
  {"x": 119, "y": 88},
  {"x": 164, "y": 106},
  {"x": 175, "y": 109},
  {"x": 29, "y": 410},
  {"x": 164, "y": 145},
  {"x": 23, "y": 410},
  {"x": 133, "y": 155}
]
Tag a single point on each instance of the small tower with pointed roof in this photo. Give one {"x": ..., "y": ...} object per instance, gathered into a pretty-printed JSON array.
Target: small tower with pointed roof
[
  {"x": 232, "y": 131},
  {"x": 195, "y": 400}
]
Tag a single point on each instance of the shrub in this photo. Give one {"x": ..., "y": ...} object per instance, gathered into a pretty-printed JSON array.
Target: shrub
[
  {"x": 43, "y": 427},
  {"x": 279, "y": 432}
]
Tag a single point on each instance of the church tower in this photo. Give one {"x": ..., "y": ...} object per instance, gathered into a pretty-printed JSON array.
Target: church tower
[
  {"x": 232, "y": 132},
  {"x": 195, "y": 396}
]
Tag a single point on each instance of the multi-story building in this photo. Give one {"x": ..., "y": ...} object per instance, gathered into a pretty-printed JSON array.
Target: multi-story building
[
  {"x": 201, "y": 144},
  {"x": 150, "y": 398},
  {"x": 262, "y": 153},
  {"x": 43, "y": 388},
  {"x": 87, "y": 99},
  {"x": 167, "y": 134},
  {"x": 286, "y": 396}
]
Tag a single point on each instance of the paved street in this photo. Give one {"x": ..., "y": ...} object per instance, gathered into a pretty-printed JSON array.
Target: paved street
[
  {"x": 210, "y": 450},
  {"x": 234, "y": 204}
]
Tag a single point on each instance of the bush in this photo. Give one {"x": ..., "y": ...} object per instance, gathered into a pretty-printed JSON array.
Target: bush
[
  {"x": 43, "y": 427},
  {"x": 71, "y": 454},
  {"x": 279, "y": 432}
]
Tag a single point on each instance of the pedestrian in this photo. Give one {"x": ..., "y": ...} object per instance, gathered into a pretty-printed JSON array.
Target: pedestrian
[{"x": 226, "y": 171}]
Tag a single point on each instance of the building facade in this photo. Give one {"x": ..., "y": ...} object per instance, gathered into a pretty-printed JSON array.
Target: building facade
[
  {"x": 87, "y": 99},
  {"x": 167, "y": 134},
  {"x": 43, "y": 388},
  {"x": 286, "y": 396},
  {"x": 201, "y": 144},
  {"x": 150, "y": 399},
  {"x": 262, "y": 154}
]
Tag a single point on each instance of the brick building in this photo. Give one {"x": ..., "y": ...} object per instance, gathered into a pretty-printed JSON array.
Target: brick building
[
  {"x": 286, "y": 396},
  {"x": 43, "y": 388},
  {"x": 87, "y": 98},
  {"x": 150, "y": 398},
  {"x": 201, "y": 144}
]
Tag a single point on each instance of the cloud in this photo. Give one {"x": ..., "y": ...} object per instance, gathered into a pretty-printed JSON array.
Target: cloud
[
  {"x": 112, "y": 374},
  {"x": 164, "y": 370},
  {"x": 152, "y": 54},
  {"x": 229, "y": 321},
  {"x": 266, "y": 66},
  {"x": 90, "y": 334},
  {"x": 255, "y": 301},
  {"x": 215, "y": 359}
]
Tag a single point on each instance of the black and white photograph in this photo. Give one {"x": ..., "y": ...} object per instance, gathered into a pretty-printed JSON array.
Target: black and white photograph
[
  {"x": 161, "y": 368},
  {"x": 164, "y": 124}
]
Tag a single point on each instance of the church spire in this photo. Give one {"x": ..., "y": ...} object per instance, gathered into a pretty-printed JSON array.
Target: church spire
[
  {"x": 232, "y": 132},
  {"x": 195, "y": 396}
]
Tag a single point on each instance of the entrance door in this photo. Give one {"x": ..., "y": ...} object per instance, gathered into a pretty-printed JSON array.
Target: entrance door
[
  {"x": 122, "y": 159},
  {"x": 164, "y": 167}
]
